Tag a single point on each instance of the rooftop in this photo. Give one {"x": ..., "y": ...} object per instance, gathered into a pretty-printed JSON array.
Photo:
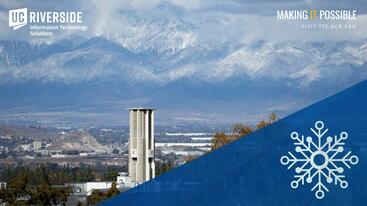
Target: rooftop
[{"x": 141, "y": 108}]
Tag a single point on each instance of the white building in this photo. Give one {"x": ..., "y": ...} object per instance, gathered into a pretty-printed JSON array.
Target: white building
[
  {"x": 141, "y": 145},
  {"x": 36, "y": 145},
  {"x": 124, "y": 181},
  {"x": 88, "y": 187},
  {"x": 25, "y": 147}
]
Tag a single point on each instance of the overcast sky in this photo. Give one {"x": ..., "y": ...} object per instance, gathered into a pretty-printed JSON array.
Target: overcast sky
[{"x": 241, "y": 20}]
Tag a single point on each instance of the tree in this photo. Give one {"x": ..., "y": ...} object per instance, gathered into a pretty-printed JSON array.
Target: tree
[
  {"x": 33, "y": 186},
  {"x": 6, "y": 196},
  {"x": 219, "y": 139},
  {"x": 240, "y": 130},
  {"x": 96, "y": 197},
  {"x": 115, "y": 151},
  {"x": 271, "y": 119},
  {"x": 40, "y": 175},
  {"x": 163, "y": 167},
  {"x": 112, "y": 191},
  {"x": 18, "y": 186},
  {"x": 111, "y": 174},
  {"x": 42, "y": 195},
  {"x": 261, "y": 124}
]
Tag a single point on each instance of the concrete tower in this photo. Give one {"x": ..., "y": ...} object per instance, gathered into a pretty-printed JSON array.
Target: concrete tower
[{"x": 141, "y": 145}]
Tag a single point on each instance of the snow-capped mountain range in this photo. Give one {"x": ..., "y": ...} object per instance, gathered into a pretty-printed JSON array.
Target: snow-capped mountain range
[{"x": 165, "y": 64}]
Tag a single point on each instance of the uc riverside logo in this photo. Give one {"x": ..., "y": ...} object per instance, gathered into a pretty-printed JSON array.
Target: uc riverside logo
[
  {"x": 46, "y": 23},
  {"x": 18, "y": 18}
]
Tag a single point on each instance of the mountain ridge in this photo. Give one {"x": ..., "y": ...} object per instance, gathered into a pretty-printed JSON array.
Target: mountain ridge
[{"x": 76, "y": 72}]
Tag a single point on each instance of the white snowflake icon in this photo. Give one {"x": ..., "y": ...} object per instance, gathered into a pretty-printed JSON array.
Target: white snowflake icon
[{"x": 318, "y": 160}]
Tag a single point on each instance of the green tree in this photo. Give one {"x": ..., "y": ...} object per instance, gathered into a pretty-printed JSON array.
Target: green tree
[
  {"x": 7, "y": 196},
  {"x": 112, "y": 191},
  {"x": 45, "y": 194},
  {"x": 111, "y": 174},
  {"x": 17, "y": 191},
  {"x": 96, "y": 197},
  {"x": 115, "y": 151},
  {"x": 163, "y": 167},
  {"x": 61, "y": 195},
  {"x": 19, "y": 185},
  {"x": 42, "y": 195}
]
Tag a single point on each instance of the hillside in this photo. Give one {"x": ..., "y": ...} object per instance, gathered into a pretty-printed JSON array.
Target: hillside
[{"x": 77, "y": 141}]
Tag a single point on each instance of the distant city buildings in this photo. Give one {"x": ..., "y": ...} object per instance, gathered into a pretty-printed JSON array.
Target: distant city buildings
[
  {"x": 132, "y": 149},
  {"x": 34, "y": 146}
]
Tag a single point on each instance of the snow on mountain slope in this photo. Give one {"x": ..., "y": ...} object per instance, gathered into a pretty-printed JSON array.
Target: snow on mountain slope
[
  {"x": 288, "y": 61},
  {"x": 164, "y": 64},
  {"x": 143, "y": 32},
  {"x": 99, "y": 58}
]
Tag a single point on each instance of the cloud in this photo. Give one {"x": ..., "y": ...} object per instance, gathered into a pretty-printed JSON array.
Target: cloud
[
  {"x": 189, "y": 5},
  {"x": 245, "y": 21}
]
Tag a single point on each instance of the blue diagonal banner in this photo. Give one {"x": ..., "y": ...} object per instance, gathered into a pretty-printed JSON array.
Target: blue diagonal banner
[{"x": 316, "y": 156}]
